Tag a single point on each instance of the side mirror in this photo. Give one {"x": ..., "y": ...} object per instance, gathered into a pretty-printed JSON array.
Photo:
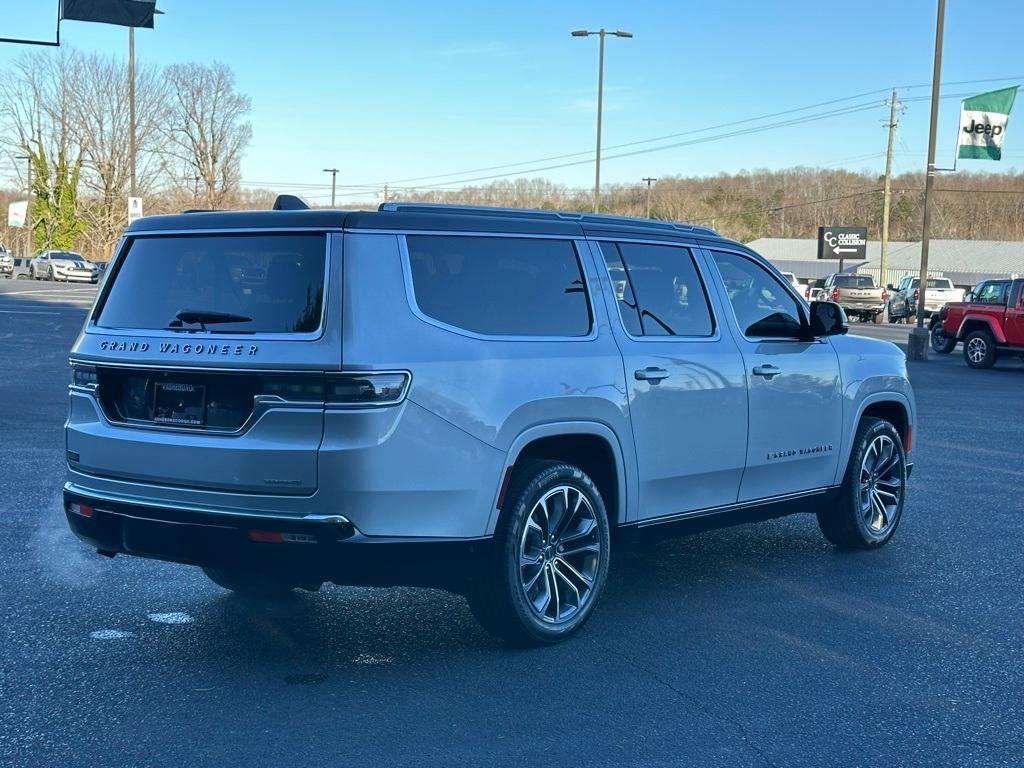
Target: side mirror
[
  {"x": 890, "y": 287},
  {"x": 828, "y": 319},
  {"x": 970, "y": 296}
]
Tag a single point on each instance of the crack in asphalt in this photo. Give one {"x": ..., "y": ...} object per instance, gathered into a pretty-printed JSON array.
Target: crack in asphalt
[{"x": 738, "y": 725}]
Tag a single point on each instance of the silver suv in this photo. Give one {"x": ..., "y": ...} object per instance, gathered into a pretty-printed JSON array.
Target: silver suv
[{"x": 483, "y": 400}]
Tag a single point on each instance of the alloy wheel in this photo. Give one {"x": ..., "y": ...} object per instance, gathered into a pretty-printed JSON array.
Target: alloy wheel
[
  {"x": 559, "y": 554},
  {"x": 881, "y": 484},
  {"x": 977, "y": 349}
]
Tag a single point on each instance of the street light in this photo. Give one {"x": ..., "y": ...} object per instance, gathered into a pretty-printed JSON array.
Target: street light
[
  {"x": 334, "y": 178},
  {"x": 601, "y": 33}
]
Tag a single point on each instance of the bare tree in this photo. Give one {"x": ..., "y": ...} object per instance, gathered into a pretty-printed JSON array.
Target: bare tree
[
  {"x": 208, "y": 130},
  {"x": 101, "y": 120}
]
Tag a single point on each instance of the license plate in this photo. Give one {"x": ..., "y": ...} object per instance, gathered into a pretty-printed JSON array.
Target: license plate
[{"x": 181, "y": 403}]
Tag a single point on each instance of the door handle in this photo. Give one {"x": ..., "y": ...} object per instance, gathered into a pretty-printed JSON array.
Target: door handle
[
  {"x": 651, "y": 374},
  {"x": 768, "y": 371}
]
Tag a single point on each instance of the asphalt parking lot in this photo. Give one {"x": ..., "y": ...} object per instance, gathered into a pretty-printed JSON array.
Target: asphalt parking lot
[{"x": 756, "y": 645}]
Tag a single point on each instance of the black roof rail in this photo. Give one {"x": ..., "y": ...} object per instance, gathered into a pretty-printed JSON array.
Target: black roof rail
[
  {"x": 533, "y": 213},
  {"x": 200, "y": 210},
  {"x": 290, "y": 203}
]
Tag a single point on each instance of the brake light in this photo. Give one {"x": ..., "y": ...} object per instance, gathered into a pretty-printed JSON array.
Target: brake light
[
  {"x": 367, "y": 388},
  {"x": 835, "y": 293},
  {"x": 80, "y": 509},
  {"x": 885, "y": 295},
  {"x": 917, "y": 294},
  {"x": 807, "y": 292}
]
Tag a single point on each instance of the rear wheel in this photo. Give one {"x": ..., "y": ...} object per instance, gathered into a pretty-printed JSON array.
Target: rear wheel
[
  {"x": 250, "y": 583},
  {"x": 871, "y": 496},
  {"x": 942, "y": 343},
  {"x": 980, "y": 349},
  {"x": 877, "y": 318},
  {"x": 550, "y": 560}
]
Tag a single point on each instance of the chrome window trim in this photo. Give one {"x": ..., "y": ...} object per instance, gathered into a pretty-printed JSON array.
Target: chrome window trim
[
  {"x": 410, "y": 291},
  {"x": 93, "y": 329},
  {"x": 716, "y": 333}
]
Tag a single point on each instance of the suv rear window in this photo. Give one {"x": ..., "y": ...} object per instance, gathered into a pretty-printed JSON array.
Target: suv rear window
[
  {"x": 500, "y": 286},
  {"x": 854, "y": 281},
  {"x": 268, "y": 283}
]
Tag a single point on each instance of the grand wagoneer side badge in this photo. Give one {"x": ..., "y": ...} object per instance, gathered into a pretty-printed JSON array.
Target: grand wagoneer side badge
[
  {"x": 176, "y": 348},
  {"x": 826, "y": 448}
]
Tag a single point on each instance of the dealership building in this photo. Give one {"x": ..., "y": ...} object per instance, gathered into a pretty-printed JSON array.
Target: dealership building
[{"x": 965, "y": 262}]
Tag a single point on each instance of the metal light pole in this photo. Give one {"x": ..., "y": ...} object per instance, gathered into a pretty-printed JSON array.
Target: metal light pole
[
  {"x": 601, "y": 33},
  {"x": 334, "y": 179},
  {"x": 917, "y": 343},
  {"x": 28, "y": 206},
  {"x": 132, "y": 192}
]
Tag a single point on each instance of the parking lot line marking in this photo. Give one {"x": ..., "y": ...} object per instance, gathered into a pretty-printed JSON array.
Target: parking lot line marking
[{"x": 26, "y": 312}]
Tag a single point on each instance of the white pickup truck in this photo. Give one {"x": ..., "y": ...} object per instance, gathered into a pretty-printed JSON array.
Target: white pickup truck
[
  {"x": 799, "y": 287},
  {"x": 903, "y": 298}
]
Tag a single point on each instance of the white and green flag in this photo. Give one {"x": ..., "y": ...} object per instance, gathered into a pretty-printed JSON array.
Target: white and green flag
[{"x": 983, "y": 121}]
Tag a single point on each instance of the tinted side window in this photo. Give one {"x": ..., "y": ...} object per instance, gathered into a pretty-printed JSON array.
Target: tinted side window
[
  {"x": 663, "y": 293},
  {"x": 762, "y": 306},
  {"x": 500, "y": 286}
]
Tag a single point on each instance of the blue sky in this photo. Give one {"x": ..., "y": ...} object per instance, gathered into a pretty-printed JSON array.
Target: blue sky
[{"x": 389, "y": 91}]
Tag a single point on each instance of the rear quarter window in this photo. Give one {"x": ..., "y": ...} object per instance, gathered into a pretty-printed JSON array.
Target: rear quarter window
[
  {"x": 500, "y": 286},
  {"x": 269, "y": 283}
]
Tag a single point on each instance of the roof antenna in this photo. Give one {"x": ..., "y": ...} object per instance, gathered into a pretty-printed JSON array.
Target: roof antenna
[{"x": 290, "y": 203}]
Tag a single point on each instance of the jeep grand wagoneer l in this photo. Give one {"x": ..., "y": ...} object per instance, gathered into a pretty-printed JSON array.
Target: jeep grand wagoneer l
[{"x": 485, "y": 400}]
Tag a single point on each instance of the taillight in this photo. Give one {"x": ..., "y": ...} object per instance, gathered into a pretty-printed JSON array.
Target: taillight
[
  {"x": 835, "y": 293},
  {"x": 917, "y": 295},
  {"x": 343, "y": 389},
  {"x": 807, "y": 292},
  {"x": 885, "y": 295},
  {"x": 84, "y": 376},
  {"x": 367, "y": 388}
]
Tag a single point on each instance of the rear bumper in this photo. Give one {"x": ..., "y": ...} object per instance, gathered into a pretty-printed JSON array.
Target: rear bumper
[{"x": 309, "y": 548}]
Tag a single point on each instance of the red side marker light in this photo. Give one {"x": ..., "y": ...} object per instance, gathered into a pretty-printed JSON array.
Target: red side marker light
[
  {"x": 81, "y": 509},
  {"x": 269, "y": 537}
]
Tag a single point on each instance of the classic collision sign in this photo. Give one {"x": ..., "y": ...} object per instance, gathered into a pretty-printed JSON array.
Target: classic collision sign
[
  {"x": 843, "y": 243},
  {"x": 176, "y": 348}
]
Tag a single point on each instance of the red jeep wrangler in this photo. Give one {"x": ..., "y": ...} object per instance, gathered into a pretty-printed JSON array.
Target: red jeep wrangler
[{"x": 990, "y": 325}]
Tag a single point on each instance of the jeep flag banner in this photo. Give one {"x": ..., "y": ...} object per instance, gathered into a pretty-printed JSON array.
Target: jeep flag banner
[
  {"x": 983, "y": 121},
  {"x": 17, "y": 213}
]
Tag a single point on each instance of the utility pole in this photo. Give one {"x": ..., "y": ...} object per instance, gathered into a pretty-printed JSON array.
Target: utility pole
[
  {"x": 334, "y": 179},
  {"x": 28, "y": 207},
  {"x": 649, "y": 181},
  {"x": 883, "y": 272},
  {"x": 917, "y": 342},
  {"x": 385, "y": 193},
  {"x": 132, "y": 192},
  {"x": 601, "y": 33}
]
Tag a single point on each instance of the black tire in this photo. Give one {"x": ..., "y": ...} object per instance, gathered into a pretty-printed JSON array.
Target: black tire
[
  {"x": 980, "y": 349},
  {"x": 250, "y": 583},
  {"x": 876, "y": 318},
  {"x": 941, "y": 343},
  {"x": 846, "y": 524},
  {"x": 498, "y": 598}
]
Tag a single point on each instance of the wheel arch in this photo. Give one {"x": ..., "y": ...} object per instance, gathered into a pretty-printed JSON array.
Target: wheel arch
[
  {"x": 972, "y": 323},
  {"x": 592, "y": 446},
  {"x": 894, "y": 407}
]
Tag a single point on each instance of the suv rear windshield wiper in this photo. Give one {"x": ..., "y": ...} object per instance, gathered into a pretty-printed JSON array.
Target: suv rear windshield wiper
[{"x": 201, "y": 317}]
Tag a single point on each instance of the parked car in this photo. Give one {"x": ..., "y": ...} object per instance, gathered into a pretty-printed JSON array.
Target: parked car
[
  {"x": 802, "y": 289},
  {"x": 6, "y": 263},
  {"x": 21, "y": 268},
  {"x": 903, "y": 299},
  {"x": 466, "y": 398},
  {"x": 990, "y": 326},
  {"x": 856, "y": 294},
  {"x": 64, "y": 265}
]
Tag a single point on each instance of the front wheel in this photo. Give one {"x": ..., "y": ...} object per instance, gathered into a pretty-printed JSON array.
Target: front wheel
[
  {"x": 980, "y": 349},
  {"x": 249, "y": 583},
  {"x": 550, "y": 559},
  {"x": 942, "y": 343},
  {"x": 871, "y": 497}
]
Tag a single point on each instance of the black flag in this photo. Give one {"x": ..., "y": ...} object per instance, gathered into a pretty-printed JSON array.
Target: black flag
[{"x": 126, "y": 13}]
